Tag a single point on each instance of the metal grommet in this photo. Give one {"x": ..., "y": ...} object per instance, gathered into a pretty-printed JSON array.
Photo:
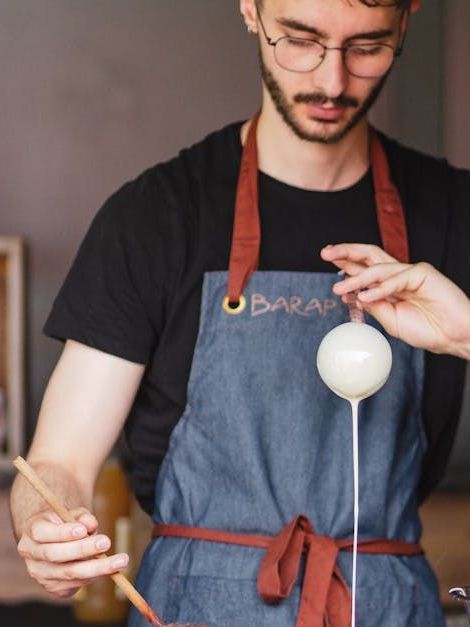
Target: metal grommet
[{"x": 233, "y": 309}]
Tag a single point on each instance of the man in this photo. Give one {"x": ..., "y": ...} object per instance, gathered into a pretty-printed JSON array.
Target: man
[{"x": 161, "y": 339}]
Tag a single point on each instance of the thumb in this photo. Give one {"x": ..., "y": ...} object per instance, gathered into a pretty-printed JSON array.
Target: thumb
[{"x": 84, "y": 516}]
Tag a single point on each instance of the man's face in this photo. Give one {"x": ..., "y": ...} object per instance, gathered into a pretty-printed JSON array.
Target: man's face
[{"x": 325, "y": 104}]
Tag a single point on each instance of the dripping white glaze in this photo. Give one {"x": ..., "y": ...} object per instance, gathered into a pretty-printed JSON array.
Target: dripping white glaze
[
  {"x": 355, "y": 430},
  {"x": 354, "y": 360}
]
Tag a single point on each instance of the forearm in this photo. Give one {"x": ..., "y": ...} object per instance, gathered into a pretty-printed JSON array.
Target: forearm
[
  {"x": 25, "y": 501},
  {"x": 84, "y": 407}
]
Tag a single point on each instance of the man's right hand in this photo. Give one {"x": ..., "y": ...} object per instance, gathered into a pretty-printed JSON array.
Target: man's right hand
[
  {"x": 86, "y": 403},
  {"x": 61, "y": 556}
]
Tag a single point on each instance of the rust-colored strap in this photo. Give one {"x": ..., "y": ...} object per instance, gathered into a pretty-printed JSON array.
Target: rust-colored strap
[
  {"x": 246, "y": 238},
  {"x": 324, "y": 591},
  {"x": 390, "y": 214}
]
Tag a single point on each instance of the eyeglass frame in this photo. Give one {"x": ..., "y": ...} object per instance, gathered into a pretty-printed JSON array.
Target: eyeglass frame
[{"x": 344, "y": 49}]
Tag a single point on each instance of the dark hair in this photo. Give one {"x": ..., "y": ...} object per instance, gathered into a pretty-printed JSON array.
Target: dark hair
[{"x": 399, "y": 4}]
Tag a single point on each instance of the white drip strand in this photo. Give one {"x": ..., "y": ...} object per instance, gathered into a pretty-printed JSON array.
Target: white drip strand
[
  {"x": 355, "y": 431},
  {"x": 354, "y": 360}
]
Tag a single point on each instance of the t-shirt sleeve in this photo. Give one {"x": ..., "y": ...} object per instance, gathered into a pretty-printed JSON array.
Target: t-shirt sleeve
[{"x": 111, "y": 299}]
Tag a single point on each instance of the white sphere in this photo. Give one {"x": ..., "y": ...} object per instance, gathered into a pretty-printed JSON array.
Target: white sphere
[{"x": 354, "y": 360}]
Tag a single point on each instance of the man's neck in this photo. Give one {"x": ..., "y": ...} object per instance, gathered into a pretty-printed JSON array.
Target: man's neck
[{"x": 310, "y": 165}]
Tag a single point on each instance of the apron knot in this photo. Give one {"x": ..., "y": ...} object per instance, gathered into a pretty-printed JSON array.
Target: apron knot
[
  {"x": 325, "y": 596},
  {"x": 324, "y": 591}
]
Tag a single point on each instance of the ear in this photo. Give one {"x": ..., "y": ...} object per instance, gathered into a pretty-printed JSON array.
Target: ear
[
  {"x": 248, "y": 10},
  {"x": 415, "y": 5}
]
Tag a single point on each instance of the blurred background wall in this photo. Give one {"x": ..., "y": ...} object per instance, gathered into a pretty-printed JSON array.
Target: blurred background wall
[{"x": 94, "y": 91}]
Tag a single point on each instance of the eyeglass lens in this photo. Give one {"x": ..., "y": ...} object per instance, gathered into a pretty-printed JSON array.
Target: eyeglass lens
[{"x": 302, "y": 55}]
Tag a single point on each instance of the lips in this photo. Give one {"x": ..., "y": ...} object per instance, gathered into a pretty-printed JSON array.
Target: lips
[{"x": 325, "y": 114}]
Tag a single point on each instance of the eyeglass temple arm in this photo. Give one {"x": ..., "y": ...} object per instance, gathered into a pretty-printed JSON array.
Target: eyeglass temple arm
[
  {"x": 269, "y": 41},
  {"x": 401, "y": 45}
]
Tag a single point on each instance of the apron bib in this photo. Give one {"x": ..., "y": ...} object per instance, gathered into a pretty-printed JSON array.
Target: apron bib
[{"x": 263, "y": 455}]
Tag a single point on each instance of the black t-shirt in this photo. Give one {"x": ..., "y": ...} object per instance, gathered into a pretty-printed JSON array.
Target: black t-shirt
[{"x": 134, "y": 289}]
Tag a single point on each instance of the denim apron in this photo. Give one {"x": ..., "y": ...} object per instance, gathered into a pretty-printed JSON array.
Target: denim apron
[{"x": 254, "y": 500}]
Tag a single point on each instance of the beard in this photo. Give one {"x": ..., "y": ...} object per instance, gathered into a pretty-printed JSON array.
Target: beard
[{"x": 285, "y": 109}]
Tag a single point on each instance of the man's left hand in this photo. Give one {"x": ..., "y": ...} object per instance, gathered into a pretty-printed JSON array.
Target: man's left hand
[{"x": 413, "y": 302}]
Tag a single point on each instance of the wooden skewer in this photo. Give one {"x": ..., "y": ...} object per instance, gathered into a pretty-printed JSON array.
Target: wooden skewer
[{"x": 119, "y": 579}]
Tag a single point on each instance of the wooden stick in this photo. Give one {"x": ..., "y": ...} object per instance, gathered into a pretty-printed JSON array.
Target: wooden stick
[{"x": 119, "y": 579}]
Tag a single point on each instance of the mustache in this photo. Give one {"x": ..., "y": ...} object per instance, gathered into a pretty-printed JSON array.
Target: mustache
[{"x": 321, "y": 99}]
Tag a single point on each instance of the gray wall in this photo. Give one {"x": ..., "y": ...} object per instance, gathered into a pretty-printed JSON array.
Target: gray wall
[
  {"x": 94, "y": 91},
  {"x": 411, "y": 105},
  {"x": 456, "y": 84}
]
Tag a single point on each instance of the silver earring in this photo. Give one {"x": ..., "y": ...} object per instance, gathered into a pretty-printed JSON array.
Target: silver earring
[{"x": 249, "y": 29}]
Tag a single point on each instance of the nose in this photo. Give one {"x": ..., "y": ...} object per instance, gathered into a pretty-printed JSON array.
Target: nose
[{"x": 331, "y": 76}]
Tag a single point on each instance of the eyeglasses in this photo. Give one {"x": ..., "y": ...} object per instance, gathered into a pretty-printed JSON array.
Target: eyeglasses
[{"x": 297, "y": 54}]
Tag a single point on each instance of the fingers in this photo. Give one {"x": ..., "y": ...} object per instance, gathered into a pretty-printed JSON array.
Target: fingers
[
  {"x": 408, "y": 280},
  {"x": 43, "y": 530},
  {"x": 63, "y": 551},
  {"x": 349, "y": 267},
  {"x": 78, "y": 573},
  {"x": 82, "y": 515},
  {"x": 52, "y": 517},
  {"x": 63, "y": 580},
  {"x": 62, "y": 556},
  {"x": 373, "y": 277},
  {"x": 49, "y": 527},
  {"x": 366, "y": 254},
  {"x": 47, "y": 539}
]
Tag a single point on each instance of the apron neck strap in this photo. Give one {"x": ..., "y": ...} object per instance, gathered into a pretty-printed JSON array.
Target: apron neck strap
[
  {"x": 390, "y": 213},
  {"x": 246, "y": 238}
]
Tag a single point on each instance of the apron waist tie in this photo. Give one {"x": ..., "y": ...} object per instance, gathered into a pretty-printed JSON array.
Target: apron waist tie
[{"x": 324, "y": 590}]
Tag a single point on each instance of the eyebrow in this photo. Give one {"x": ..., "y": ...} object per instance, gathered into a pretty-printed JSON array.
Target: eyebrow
[{"x": 301, "y": 26}]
